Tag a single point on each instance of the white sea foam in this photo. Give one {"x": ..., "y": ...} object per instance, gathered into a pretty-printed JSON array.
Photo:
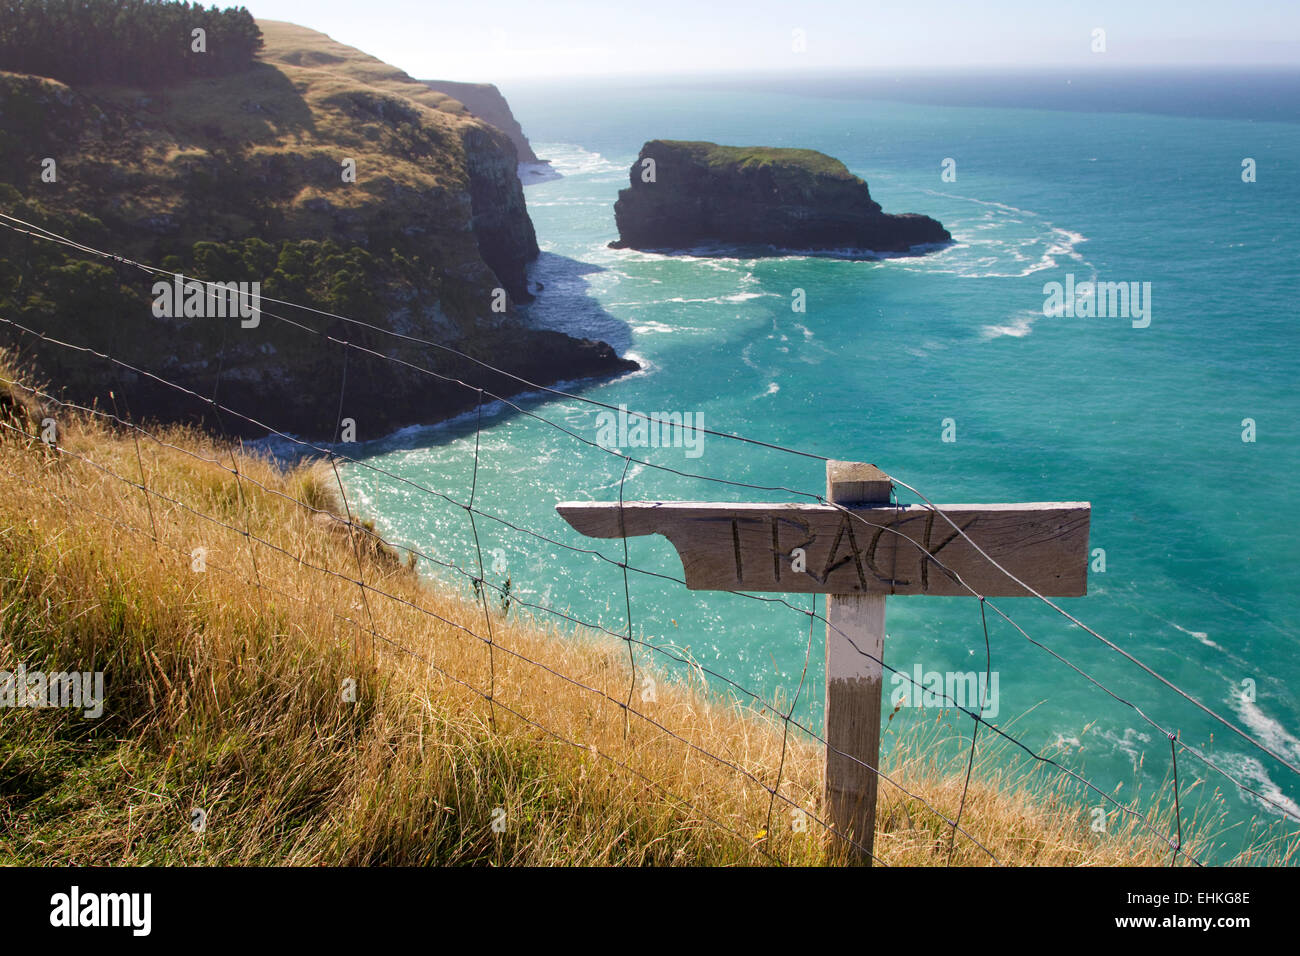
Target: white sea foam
[
  {"x": 981, "y": 251},
  {"x": 724, "y": 254},
  {"x": 532, "y": 173},
  {"x": 570, "y": 159},
  {"x": 718, "y": 299},
  {"x": 1130, "y": 742},
  {"x": 1199, "y": 635},
  {"x": 1020, "y": 325},
  {"x": 537, "y": 204},
  {"x": 652, "y": 327},
  {"x": 1269, "y": 731},
  {"x": 646, "y": 368},
  {"x": 1269, "y": 797}
]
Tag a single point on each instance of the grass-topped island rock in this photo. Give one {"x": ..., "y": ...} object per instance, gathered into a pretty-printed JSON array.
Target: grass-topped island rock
[{"x": 692, "y": 194}]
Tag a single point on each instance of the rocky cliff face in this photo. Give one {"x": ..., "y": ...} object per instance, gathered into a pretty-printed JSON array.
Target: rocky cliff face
[
  {"x": 693, "y": 193},
  {"x": 485, "y": 101},
  {"x": 331, "y": 179},
  {"x": 506, "y": 239}
]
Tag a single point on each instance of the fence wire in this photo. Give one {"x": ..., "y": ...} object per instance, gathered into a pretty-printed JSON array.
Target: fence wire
[{"x": 472, "y": 569}]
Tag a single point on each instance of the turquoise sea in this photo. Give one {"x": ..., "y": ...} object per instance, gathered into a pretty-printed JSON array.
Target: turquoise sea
[{"x": 1120, "y": 182}]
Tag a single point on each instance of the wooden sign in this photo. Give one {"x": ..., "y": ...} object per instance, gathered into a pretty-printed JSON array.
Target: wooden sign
[
  {"x": 858, "y": 559},
  {"x": 891, "y": 550}
]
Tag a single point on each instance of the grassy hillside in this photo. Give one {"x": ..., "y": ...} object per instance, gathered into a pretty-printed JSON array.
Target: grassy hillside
[
  {"x": 161, "y": 162},
  {"x": 243, "y": 177},
  {"x": 225, "y": 693}
]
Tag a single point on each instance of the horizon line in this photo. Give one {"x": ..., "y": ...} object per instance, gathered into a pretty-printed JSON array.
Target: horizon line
[{"x": 894, "y": 71}]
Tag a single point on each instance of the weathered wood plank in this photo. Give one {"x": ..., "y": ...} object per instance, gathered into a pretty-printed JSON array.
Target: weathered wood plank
[{"x": 890, "y": 550}]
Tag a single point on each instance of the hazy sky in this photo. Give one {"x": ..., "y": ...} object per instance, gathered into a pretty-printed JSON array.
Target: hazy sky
[{"x": 487, "y": 40}]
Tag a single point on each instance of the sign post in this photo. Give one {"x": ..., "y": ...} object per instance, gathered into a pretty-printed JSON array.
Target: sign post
[
  {"x": 858, "y": 558},
  {"x": 854, "y": 674}
]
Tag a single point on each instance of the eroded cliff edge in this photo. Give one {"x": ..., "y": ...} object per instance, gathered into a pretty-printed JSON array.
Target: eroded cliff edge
[{"x": 686, "y": 195}]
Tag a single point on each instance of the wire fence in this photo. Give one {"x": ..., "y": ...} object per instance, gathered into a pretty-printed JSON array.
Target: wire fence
[{"x": 470, "y": 568}]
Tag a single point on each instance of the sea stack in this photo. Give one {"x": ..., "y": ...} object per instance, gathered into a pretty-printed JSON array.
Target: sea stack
[{"x": 692, "y": 194}]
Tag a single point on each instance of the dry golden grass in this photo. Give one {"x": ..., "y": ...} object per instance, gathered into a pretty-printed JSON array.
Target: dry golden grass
[
  {"x": 294, "y": 47},
  {"x": 306, "y": 104},
  {"x": 225, "y": 691}
]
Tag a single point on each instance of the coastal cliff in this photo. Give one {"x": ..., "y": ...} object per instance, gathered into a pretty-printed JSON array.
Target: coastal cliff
[
  {"x": 506, "y": 239},
  {"x": 485, "y": 101},
  {"x": 333, "y": 180},
  {"x": 684, "y": 194}
]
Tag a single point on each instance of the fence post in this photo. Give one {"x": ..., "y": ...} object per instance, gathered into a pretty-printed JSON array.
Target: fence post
[{"x": 853, "y": 679}]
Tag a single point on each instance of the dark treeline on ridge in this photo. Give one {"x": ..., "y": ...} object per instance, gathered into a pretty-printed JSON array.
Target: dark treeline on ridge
[{"x": 144, "y": 43}]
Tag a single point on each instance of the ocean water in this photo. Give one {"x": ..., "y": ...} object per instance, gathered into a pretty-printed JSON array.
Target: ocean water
[{"x": 1202, "y": 569}]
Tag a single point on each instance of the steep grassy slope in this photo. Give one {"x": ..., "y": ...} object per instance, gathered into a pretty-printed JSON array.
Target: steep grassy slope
[
  {"x": 226, "y": 691},
  {"x": 241, "y": 178}
]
